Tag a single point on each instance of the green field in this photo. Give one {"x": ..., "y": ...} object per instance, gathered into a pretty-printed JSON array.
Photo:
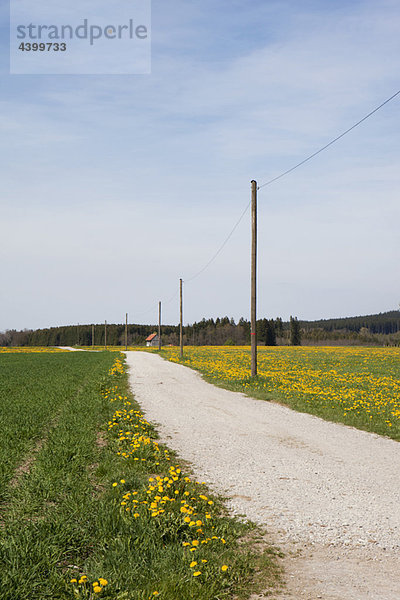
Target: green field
[
  {"x": 51, "y": 412},
  {"x": 93, "y": 507},
  {"x": 36, "y": 391}
]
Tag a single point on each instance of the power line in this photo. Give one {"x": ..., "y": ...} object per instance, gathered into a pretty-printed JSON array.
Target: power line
[
  {"x": 330, "y": 143},
  {"x": 154, "y": 307},
  {"x": 221, "y": 247},
  {"x": 308, "y": 158},
  {"x": 170, "y": 299},
  {"x": 283, "y": 175},
  {"x": 144, "y": 313}
]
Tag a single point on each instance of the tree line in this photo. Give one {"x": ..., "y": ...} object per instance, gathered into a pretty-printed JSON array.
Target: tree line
[
  {"x": 383, "y": 323},
  {"x": 382, "y": 329},
  {"x": 221, "y": 331}
]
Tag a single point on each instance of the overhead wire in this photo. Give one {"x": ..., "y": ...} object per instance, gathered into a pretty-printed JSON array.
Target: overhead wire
[
  {"x": 170, "y": 299},
  {"x": 280, "y": 176},
  {"x": 154, "y": 308},
  {"x": 221, "y": 247},
  {"x": 329, "y": 143},
  {"x": 308, "y": 158}
]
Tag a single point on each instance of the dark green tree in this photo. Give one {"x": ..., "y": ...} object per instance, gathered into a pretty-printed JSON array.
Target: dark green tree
[
  {"x": 295, "y": 332},
  {"x": 279, "y": 327},
  {"x": 270, "y": 333}
]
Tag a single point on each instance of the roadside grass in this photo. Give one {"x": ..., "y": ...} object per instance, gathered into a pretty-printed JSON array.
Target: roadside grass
[
  {"x": 359, "y": 387},
  {"x": 105, "y": 511}
]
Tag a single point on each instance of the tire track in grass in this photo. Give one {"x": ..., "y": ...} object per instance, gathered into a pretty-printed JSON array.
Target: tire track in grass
[
  {"x": 33, "y": 386},
  {"x": 23, "y": 470},
  {"x": 26, "y": 465}
]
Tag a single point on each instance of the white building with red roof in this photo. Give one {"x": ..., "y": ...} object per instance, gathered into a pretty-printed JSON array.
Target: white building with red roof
[{"x": 152, "y": 340}]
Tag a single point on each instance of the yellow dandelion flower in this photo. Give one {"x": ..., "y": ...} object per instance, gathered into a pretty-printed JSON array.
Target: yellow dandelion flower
[
  {"x": 196, "y": 573},
  {"x": 193, "y": 563},
  {"x": 224, "y": 568}
]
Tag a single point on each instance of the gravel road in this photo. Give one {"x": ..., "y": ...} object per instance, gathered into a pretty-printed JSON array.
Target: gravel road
[{"x": 329, "y": 495}]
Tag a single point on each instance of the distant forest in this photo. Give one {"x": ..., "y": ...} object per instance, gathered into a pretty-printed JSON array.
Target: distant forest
[{"x": 382, "y": 329}]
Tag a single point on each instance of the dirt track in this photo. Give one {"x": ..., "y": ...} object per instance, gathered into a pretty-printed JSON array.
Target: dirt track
[{"x": 329, "y": 495}]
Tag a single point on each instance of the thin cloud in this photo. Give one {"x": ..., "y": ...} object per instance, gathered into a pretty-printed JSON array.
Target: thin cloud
[{"x": 147, "y": 175}]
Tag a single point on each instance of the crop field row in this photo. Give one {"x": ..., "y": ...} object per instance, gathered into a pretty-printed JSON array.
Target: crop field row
[
  {"x": 35, "y": 389},
  {"x": 100, "y": 508},
  {"x": 355, "y": 386},
  {"x": 47, "y": 512}
]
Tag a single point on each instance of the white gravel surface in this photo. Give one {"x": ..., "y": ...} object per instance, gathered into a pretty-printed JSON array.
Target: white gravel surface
[
  {"x": 71, "y": 349},
  {"x": 328, "y": 494}
]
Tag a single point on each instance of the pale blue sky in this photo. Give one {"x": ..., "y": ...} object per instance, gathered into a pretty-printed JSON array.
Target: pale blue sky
[{"x": 114, "y": 187}]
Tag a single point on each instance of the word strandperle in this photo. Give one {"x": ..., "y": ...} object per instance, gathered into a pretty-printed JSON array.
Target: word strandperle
[{"x": 82, "y": 32}]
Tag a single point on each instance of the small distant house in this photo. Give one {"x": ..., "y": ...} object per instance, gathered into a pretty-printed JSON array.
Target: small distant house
[{"x": 152, "y": 340}]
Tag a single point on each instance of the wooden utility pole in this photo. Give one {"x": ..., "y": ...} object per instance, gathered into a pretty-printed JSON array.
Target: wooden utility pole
[
  {"x": 181, "y": 318},
  {"x": 126, "y": 331},
  {"x": 159, "y": 325},
  {"x": 253, "y": 330},
  {"x": 92, "y": 336},
  {"x": 105, "y": 335}
]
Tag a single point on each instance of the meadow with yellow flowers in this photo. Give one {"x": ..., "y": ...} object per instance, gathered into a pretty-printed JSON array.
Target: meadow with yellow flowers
[
  {"x": 352, "y": 385},
  {"x": 93, "y": 506}
]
